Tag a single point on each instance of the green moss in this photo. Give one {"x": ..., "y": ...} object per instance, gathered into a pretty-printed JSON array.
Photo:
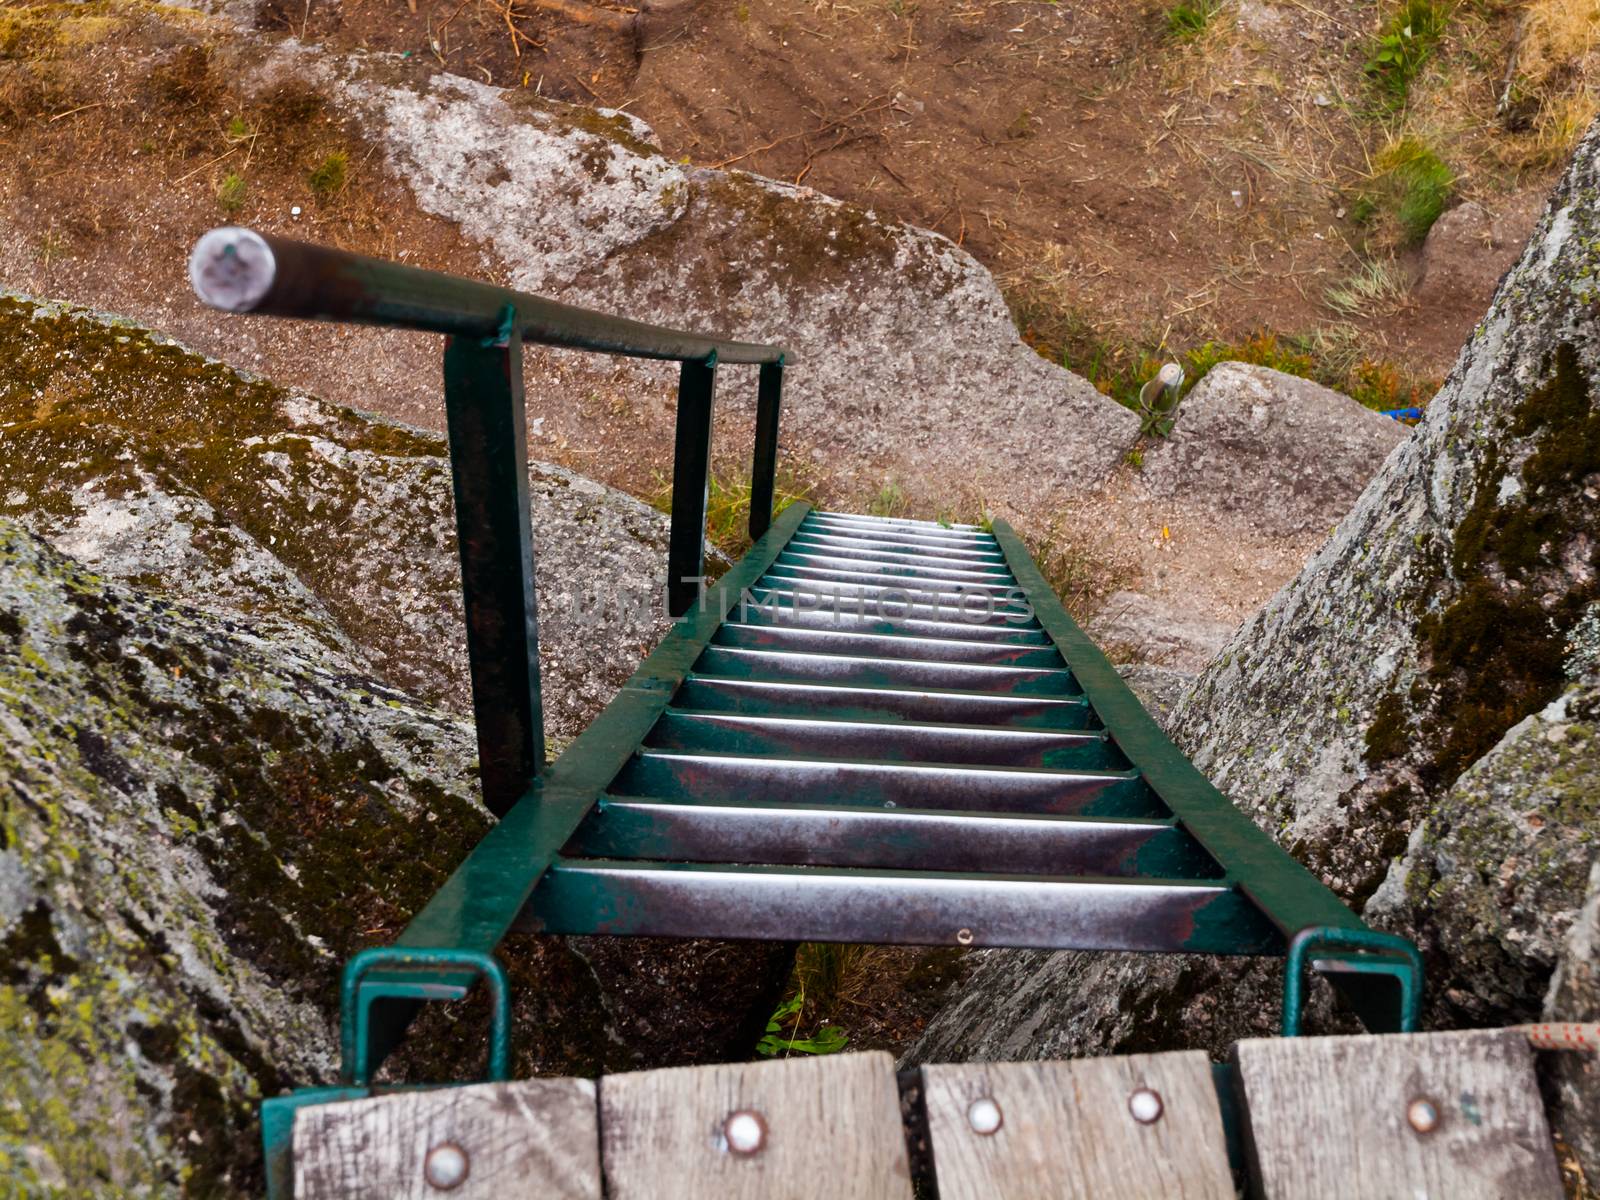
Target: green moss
[
  {"x": 1496, "y": 650},
  {"x": 820, "y": 240},
  {"x": 1410, "y": 187},
  {"x": 328, "y": 178},
  {"x": 614, "y": 127},
  {"x": 1389, "y": 735}
]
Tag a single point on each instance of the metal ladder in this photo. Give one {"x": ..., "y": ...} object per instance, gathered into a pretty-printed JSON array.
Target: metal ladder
[{"x": 868, "y": 730}]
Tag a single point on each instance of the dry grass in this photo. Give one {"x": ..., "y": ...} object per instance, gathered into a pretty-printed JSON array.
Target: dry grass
[
  {"x": 1559, "y": 39},
  {"x": 1375, "y": 288},
  {"x": 1561, "y": 122}
]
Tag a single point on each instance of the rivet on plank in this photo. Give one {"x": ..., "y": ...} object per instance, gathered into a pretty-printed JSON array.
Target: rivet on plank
[
  {"x": 1423, "y": 1115},
  {"x": 745, "y": 1132},
  {"x": 446, "y": 1167},
  {"x": 1145, "y": 1105},
  {"x": 984, "y": 1115}
]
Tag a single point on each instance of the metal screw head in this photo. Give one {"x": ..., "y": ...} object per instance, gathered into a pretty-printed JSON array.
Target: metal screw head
[
  {"x": 745, "y": 1131},
  {"x": 1145, "y": 1105},
  {"x": 984, "y": 1115},
  {"x": 1422, "y": 1114},
  {"x": 446, "y": 1167},
  {"x": 964, "y": 936}
]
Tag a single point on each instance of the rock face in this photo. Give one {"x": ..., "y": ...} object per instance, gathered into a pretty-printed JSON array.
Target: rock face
[
  {"x": 1414, "y": 716},
  {"x": 1275, "y": 451},
  {"x": 198, "y": 824},
  {"x": 212, "y": 791},
  {"x": 1162, "y": 636},
  {"x": 903, "y": 349},
  {"x": 1469, "y": 248},
  {"x": 325, "y": 528}
]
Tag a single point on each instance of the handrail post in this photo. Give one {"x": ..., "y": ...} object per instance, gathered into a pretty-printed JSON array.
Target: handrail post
[
  {"x": 494, "y": 526},
  {"x": 764, "y": 467},
  {"x": 691, "y": 481}
]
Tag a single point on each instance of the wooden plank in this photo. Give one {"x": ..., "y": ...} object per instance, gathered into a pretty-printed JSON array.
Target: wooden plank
[
  {"x": 1073, "y": 1129},
  {"x": 536, "y": 1137},
  {"x": 1334, "y": 1116},
  {"x": 831, "y": 1129}
]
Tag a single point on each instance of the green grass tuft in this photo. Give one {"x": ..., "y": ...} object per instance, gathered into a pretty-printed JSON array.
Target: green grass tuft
[
  {"x": 889, "y": 502},
  {"x": 329, "y": 176},
  {"x": 728, "y": 506},
  {"x": 1188, "y": 19},
  {"x": 232, "y": 193},
  {"x": 1411, "y": 187},
  {"x": 1403, "y": 46}
]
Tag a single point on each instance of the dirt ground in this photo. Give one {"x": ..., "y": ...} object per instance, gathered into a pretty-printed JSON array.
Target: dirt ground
[
  {"x": 1110, "y": 206},
  {"x": 1124, "y": 185}
]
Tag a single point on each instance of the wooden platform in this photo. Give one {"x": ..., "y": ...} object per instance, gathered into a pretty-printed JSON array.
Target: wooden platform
[{"x": 1449, "y": 1115}]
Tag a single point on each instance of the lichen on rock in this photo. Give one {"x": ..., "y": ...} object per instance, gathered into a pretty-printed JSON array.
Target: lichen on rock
[
  {"x": 197, "y": 827},
  {"x": 212, "y": 788},
  {"x": 317, "y": 525}
]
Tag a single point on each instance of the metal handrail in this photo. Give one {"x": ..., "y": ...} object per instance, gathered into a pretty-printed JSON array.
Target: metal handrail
[{"x": 244, "y": 271}]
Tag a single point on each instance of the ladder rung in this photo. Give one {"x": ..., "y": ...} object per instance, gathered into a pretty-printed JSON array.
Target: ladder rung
[
  {"x": 789, "y": 616},
  {"x": 884, "y": 605},
  {"x": 682, "y": 775},
  {"x": 889, "y": 838},
  {"x": 765, "y": 697},
  {"x": 738, "y": 663},
  {"x": 920, "y": 908},
  {"x": 979, "y": 607},
  {"x": 875, "y": 645},
  {"x": 912, "y": 522},
  {"x": 878, "y": 526},
  {"x": 899, "y": 558},
  {"x": 882, "y": 566},
  {"x": 917, "y": 547},
  {"x": 998, "y": 586},
  {"x": 901, "y": 741}
]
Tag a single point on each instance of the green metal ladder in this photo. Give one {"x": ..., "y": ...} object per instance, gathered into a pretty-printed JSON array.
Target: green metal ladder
[{"x": 868, "y": 730}]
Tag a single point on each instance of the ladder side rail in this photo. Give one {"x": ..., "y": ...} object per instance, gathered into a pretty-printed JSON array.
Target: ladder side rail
[
  {"x": 486, "y": 895},
  {"x": 1288, "y": 894}
]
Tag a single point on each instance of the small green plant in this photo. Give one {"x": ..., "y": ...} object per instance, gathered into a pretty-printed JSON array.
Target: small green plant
[
  {"x": 328, "y": 178},
  {"x": 239, "y": 129},
  {"x": 889, "y": 502},
  {"x": 53, "y": 245},
  {"x": 1261, "y": 349},
  {"x": 830, "y": 1039},
  {"x": 1403, "y": 46},
  {"x": 1134, "y": 458},
  {"x": 728, "y": 506},
  {"x": 1188, "y": 19},
  {"x": 1410, "y": 186},
  {"x": 231, "y": 192},
  {"x": 1158, "y": 401}
]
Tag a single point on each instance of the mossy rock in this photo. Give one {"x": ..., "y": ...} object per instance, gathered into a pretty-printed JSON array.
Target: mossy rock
[{"x": 233, "y": 751}]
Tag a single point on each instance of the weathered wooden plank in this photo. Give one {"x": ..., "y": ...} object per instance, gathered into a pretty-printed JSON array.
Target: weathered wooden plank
[
  {"x": 1145, "y": 1125},
  {"x": 536, "y": 1137},
  {"x": 1454, "y": 1116},
  {"x": 796, "y": 1128}
]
